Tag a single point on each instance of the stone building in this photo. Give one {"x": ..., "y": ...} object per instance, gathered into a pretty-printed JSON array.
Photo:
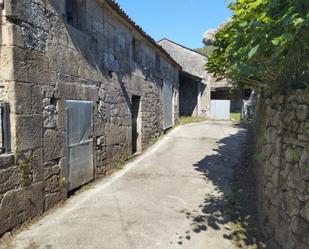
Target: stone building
[
  {"x": 82, "y": 88},
  {"x": 195, "y": 87},
  {"x": 221, "y": 89}
]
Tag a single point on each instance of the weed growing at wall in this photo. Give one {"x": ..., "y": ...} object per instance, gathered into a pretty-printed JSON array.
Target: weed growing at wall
[
  {"x": 25, "y": 170},
  {"x": 63, "y": 182},
  {"x": 119, "y": 165},
  {"x": 189, "y": 119}
]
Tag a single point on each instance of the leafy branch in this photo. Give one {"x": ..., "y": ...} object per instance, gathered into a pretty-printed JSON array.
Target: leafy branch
[{"x": 265, "y": 45}]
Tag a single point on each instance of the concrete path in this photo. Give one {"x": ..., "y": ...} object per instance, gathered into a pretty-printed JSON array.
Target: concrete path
[{"x": 173, "y": 196}]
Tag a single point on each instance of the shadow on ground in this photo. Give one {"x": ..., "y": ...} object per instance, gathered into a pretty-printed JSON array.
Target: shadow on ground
[{"x": 232, "y": 206}]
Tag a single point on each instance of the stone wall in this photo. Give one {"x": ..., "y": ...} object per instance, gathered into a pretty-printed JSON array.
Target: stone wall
[
  {"x": 282, "y": 156},
  {"x": 44, "y": 62}
]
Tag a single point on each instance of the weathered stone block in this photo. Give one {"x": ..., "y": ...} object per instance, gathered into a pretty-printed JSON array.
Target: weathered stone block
[
  {"x": 9, "y": 179},
  {"x": 19, "y": 205},
  {"x": 50, "y": 119},
  {"x": 29, "y": 133},
  {"x": 68, "y": 63},
  {"x": 112, "y": 132},
  {"x": 271, "y": 135},
  {"x": 6, "y": 160},
  {"x": 51, "y": 200},
  {"x": 112, "y": 140},
  {"x": 54, "y": 145},
  {"x": 291, "y": 203},
  {"x": 61, "y": 115},
  {"x": 37, "y": 165},
  {"x": 305, "y": 212},
  {"x": 75, "y": 91},
  {"x": 281, "y": 235},
  {"x": 295, "y": 180},
  {"x": 51, "y": 185},
  {"x": 51, "y": 171},
  {"x": 267, "y": 151},
  {"x": 22, "y": 10},
  {"x": 306, "y": 98},
  {"x": 36, "y": 99},
  {"x": 31, "y": 67},
  {"x": 292, "y": 155},
  {"x": 22, "y": 99},
  {"x": 275, "y": 160},
  {"x": 47, "y": 91},
  {"x": 302, "y": 112}
]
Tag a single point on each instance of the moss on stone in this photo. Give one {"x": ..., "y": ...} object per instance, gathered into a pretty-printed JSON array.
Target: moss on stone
[{"x": 292, "y": 155}]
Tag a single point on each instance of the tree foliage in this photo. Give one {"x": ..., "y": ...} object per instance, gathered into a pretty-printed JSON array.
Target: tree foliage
[
  {"x": 265, "y": 44},
  {"x": 206, "y": 50}
]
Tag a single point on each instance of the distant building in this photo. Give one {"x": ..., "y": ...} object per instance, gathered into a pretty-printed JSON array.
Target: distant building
[
  {"x": 222, "y": 90},
  {"x": 194, "y": 81}
]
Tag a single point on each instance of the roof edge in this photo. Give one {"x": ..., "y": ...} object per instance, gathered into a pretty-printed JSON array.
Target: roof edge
[
  {"x": 190, "y": 49},
  {"x": 191, "y": 75}
]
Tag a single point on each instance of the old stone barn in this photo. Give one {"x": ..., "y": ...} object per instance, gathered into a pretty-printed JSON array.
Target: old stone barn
[
  {"x": 82, "y": 89},
  {"x": 195, "y": 87},
  {"x": 200, "y": 93}
]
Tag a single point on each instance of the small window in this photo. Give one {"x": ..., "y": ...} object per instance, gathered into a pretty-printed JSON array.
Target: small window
[
  {"x": 76, "y": 13},
  {"x": 136, "y": 51},
  {"x": 158, "y": 63},
  {"x": 5, "y": 140}
]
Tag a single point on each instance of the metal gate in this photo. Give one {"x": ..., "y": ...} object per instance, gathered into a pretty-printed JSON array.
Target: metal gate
[
  {"x": 220, "y": 109},
  {"x": 80, "y": 142},
  {"x": 168, "y": 120}
]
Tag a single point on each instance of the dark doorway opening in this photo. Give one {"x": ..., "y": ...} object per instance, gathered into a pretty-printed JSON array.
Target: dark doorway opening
[
  {"x": 188, "y": 95},
  {"x": 136, "y": 124}
]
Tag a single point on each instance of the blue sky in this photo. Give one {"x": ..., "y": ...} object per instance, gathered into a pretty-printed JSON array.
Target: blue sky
[{"x": 183, "y": 21}]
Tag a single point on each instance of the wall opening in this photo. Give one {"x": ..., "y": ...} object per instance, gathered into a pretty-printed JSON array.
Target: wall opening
[
  {"x": 136, "y": 125},
  {"x": 136, "y": 51},
  {"x": 188, "y": 95},
  {"x": 5, "y": 140},
  {"x": 76, "y": 14},
  {"x": 158, "y": 63}
]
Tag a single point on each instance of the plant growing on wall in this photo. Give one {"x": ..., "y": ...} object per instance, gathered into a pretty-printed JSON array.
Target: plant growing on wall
[
  {"x": 265, "y": 45},
  {"x": 25, "y": 170}
]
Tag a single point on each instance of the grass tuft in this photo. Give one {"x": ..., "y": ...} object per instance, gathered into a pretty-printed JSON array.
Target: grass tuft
[
  {"x": 235, "y": 116},
  {"x": 188, "y": 119}
]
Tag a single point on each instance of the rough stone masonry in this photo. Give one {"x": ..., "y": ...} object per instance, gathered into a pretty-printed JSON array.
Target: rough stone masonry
[
  {"x": 58, "y": 50},
  {"x": 282, "y": 154}
]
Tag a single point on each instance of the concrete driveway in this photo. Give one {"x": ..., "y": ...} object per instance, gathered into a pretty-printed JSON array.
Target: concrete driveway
[{"x": 173, "y": 196}]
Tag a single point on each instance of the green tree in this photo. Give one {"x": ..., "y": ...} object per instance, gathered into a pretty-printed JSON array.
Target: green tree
[
  {"x": 265, "y": 44},
  {"x": 206, "y": 50}
]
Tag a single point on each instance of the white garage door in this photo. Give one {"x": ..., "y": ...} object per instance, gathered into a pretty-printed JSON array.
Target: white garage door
[
  {"x": 220, "y": 109},
  {"x": 168, "y": 120}
]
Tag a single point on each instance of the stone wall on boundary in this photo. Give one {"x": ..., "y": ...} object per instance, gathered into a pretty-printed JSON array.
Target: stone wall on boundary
[
  {"x": 44, "y": 62},
  {"x": 282, "y": 155}
]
